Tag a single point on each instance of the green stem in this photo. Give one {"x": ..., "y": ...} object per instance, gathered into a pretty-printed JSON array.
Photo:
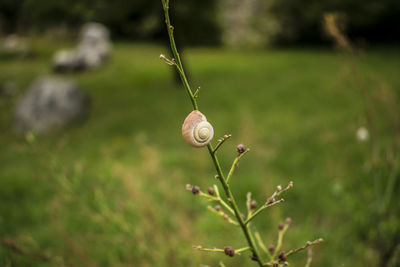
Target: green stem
[
  {"x": 280, "y": 239},
  {"x": 253, "y": 215},
  {"x": 179, "y": 66},
  {"x": 221, "y": 177},
  {"x": 234, "y": 165},
  {"x": 262, "y": 245},
  {"x": 231, "y": 199}
]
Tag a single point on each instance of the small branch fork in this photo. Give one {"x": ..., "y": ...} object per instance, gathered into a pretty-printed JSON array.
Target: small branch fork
[
  {"x": 270, "y": 202},
  {"x": 235, "y": 164},
  {"x": 308, "y": 244},
  {"x": 231, "y": 205},
  {"x": 220, "y": 142}
]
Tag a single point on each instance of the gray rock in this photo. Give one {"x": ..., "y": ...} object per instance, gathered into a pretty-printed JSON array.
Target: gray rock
[
  {"x": 94, "y": 32},
  {"x": 50, "y": 103},
  {"x": 92, "y": 51}
]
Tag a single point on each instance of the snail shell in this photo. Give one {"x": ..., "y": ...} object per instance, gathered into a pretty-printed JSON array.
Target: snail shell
[{"x": 196, "y": 130}]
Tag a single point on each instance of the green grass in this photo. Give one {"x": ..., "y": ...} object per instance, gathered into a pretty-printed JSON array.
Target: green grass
[{"x": 111, "y": 191}]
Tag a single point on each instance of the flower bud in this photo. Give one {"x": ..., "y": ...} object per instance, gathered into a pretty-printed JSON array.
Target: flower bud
[
  {"x": 253, "y": 204},
  {"x": 275, "y": 264},
  {"x": 229, "y": 251},
  {"x": 282, "y": 256},
  {"x": 218, "y": 208},
  {"x": 271, "y": 200},
  {"x": 241, "y": 148},
  {"x": 280, "y": 226},
  {"x": 211, "y": 191},
  {"x": 195, "y": 190},
  {"x": 271, "y": 248}
]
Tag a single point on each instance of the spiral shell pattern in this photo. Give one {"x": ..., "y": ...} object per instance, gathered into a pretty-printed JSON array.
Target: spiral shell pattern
[{"x": 196, "y": 130}]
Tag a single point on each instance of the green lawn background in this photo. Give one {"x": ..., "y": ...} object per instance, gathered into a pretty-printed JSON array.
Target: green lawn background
[{"x": 111, "y": 191}]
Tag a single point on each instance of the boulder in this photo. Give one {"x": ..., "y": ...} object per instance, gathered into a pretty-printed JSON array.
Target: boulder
[
  {"x": 50, "y": 103},
  {"x": 94, "y": 32},
  {"x": 92, "y": 51}
]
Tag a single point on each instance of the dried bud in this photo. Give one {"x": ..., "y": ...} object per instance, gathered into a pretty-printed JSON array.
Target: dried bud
[
  {"x": 279, "y": 188},
  {"x": 308, "y": 243},
  {"x": 218, "y": 208},
  {"x": 275, "y": 264},
  {"x": 282, "y": 256},
  {"x": 211, "y": 191},
  {"x": 271, "y": 200},
  {"x": 226, "y": 217},
  {"x": 285, "y": 263},
  {"x": 229, "y": 251},
  {"x": 242, "y": 215},
  {"x": 226, "y": 136},
  {"x": 241, "y": 148},
  {"x": 195, "y": 190},
  {"x": 253, "y": 204},
  {"x": 271, "y": 248},
  {"x": 288, "y": 220},
  {"x": 280, "y": 226}
]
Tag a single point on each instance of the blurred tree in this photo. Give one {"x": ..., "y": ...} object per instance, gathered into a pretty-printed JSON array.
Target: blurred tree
[
  {"x": 8, "y": 15},
  {"x": 374, "y": 20},
  {"x": 139, "y": 19}
]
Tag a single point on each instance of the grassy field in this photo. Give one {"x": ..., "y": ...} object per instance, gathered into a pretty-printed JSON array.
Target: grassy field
[{"x": 111, "y": 191}]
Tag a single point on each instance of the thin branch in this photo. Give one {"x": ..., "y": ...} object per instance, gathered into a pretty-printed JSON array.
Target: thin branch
[
  {"x": 309, "y": 257},
  {"x": 240, "y": 250},
  {"x": 223, "y": 215},
  {"x": 221, "y": 141},
  {"x": 170, "y": 62},
  {"x": 196, "y": 93},
  {"x": 208, "y": 249},
  {"x": 262, "y": 245},
  {"x": 280, "y": 239},
  {"x": 179, "y": 66},
  {"x": 237, "y": 251},
  {"x": 308, "y": 244},
  {"x": 263, "y": 207},
  {"x": 279, "y": 190},
  {"x": 223, "y": 203},
  {"x": 248, "y": 204},
  {"x": 234, "y": 165}
]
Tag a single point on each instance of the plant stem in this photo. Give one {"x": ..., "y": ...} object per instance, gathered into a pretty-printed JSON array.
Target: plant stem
[
  {"x": 179, "y": 66},
  {"x": 279, "y": 243},
  {"x": 221, "y": 177},
  {"x": 234, "y": 165},
  {"x": 253, "y": 215},
  {"x": 231, "y": 199}
]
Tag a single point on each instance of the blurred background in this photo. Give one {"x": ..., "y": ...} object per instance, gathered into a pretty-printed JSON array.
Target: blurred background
[{"x": 93, "y": 167}]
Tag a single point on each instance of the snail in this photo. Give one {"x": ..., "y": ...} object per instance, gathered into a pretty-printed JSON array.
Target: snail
[{"x": 196, "y": 130}]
